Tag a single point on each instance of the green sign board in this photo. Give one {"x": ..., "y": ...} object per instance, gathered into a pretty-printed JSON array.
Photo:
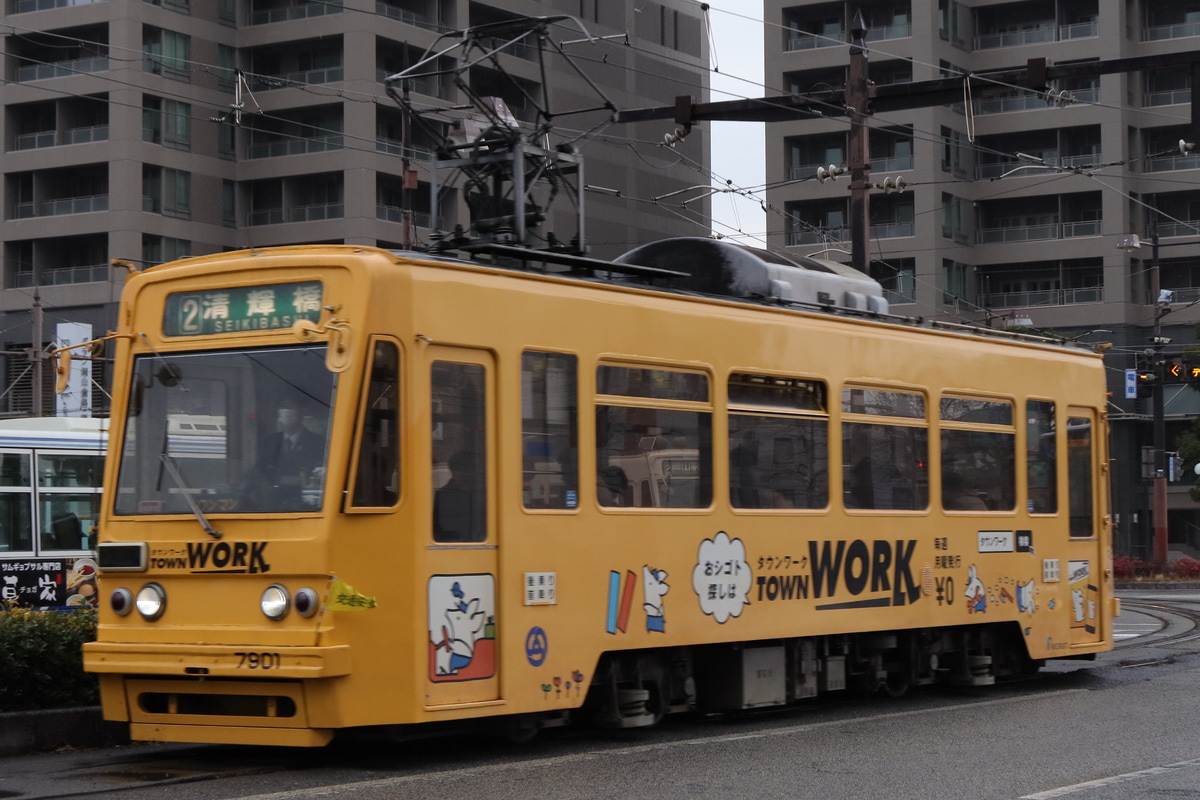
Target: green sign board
[{"x": 241, "y": 309}]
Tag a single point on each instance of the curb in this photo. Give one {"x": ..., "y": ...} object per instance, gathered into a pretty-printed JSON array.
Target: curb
[{"x": 23, "y": 732}]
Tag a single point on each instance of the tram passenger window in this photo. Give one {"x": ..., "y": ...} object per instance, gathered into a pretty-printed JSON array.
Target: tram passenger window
[
  {"x": 778, "y": 458},
  {"x": 549, "y": 434},
  {"x": 665, "y": 453},
  {"x": 459, "y": 452},
  {"x": 884, "y": 461},
  {"x": 16, "y": 527},
  {"x": 377, "y": 482},
  {"x": 1040, "y": 457},
  {"x": 978, "y": 443},
  {"x": 1080, "y": 476}
]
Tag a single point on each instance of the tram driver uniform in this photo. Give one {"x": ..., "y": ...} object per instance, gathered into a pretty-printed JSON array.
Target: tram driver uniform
[{"x": 288, "y": 457}]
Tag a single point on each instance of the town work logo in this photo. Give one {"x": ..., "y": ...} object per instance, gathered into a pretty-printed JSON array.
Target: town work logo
[{"x": 222, "y": 557}]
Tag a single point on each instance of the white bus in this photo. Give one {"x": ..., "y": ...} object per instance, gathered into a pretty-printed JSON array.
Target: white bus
[{"x": 51, "y": 470}]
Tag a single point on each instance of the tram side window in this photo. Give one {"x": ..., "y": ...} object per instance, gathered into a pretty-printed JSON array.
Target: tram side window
[
  {"x": 378, "y": 477},
  {"x": 979, "y": 451},
  {"x": 459, "y": 452},
  {"x": 655, "y": 449},
  {"x": 549, "y": 430},
  {"x": 1079, "y": 476},
  {"x": 16, "y": 497},
  {"x": 778, "y": 442},
  {"x": 1040, "y": 454},
  {"x": 885, "y": 449}
]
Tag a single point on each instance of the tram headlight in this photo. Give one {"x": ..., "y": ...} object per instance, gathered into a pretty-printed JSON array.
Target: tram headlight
[
  {"x": 121, "y": 601},
  {"x": 151, "y": 601},
  {"x": 307, "y": 601},
  {"x": 275, "y": 602}
]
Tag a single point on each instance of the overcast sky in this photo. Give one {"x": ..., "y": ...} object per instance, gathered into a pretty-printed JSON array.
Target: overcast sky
[{"x": 737, "y": 147}]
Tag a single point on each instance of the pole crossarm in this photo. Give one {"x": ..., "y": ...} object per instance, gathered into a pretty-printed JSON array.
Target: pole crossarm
[{"x": 1034, "y": 76}]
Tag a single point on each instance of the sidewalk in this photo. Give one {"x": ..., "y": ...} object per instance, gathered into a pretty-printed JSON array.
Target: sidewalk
[{"x": 24, "y": 732}]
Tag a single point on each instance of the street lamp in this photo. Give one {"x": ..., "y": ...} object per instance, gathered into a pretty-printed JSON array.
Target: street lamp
[{"x": 1162, "y": 307}]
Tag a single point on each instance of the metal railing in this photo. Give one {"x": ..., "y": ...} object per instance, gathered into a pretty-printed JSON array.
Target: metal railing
[
  {"x": 809, "y": 42},
  {"x": 892, "y": 164},
  {"x": 318, "y": 9},
  {"x": 24, "y": 6},
  {"x": 1178, "y": 31},
  {"x": 1030, "y": 233},
  {"x": 295, "y": 147},
  {"x": 305, "y": 78},
  {"x": 1168, "y": 229},
  {"x": 59, "y": 69},
  {"x": 901, "y": 30},
  {"x": 32, "y": 141},
  {"x": 65, "y": 205},
  {"x": 315, "y": 212},
  {"x": 58, "y": 276},
  {"x": 395, "y": 148},
  {"x": 426, "y": 85},
  {"x": 1169, "y": 163},
  {"x": 404, "y": 15},
  {"x": 1047, "y": 297},
  {"x": 1167, "y": 97},
  {"x": 421, "y": 219}
]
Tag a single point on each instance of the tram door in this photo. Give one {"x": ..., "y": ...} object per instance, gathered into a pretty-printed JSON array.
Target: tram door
[
  {"x": 461, "y": 591},
  {"x": 1086, "y": 518}
]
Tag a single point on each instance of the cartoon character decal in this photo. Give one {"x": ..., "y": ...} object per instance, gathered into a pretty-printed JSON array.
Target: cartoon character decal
[
  {"x": 654, "y": 586},
  {"x": 462, "y": 627},
  {"x": 975, "y": 592},
  {"x": 1025, "y": 598}
]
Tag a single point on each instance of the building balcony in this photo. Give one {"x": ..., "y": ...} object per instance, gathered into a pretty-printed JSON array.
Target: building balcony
[
  {"x": 1170, "y": 97},
  {"x": 1041, "y": 34},
  {"x": 808, "y": 42},
  {"x": 303, "y": 78},
  {"x": 395, "y": 148},
  {"x": 59, "y": 276},
  {"x": 295, "y": 147},
  {"x": 886, "y": 230},
  {"x": 999, "y": 169},
  {"x": 421, "y": 219},
  {"x": 1167, "y": 229},
  {"x": 34, "y": 141},
  {"x": 60, "y": 69},
  {"x": 286, "y": 12},
  {"x": 899, "y": 31},
  {"x": 405, "y": 15},
  {"x": 1048, "y": 297},
  {"x": 25, "y": 6},
  {"x": 427, "y": 85},
  {"x": 1180, "y": 30},
  {"x": 315, "y": 212},
  {"x": 1035, "y": 233},
  {"x": 1172, "y": 163},
  {"x": 65, "y": 205}
]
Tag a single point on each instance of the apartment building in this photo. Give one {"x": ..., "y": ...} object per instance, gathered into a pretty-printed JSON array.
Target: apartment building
[
  {"x": 1016, "y": 201},
  {"x": 147, "y": 130}
]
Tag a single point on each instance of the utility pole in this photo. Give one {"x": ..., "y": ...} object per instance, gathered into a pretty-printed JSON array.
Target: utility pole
[
  {"x": 857, "y": 99},
  {"x": 1159, "y": 501}
]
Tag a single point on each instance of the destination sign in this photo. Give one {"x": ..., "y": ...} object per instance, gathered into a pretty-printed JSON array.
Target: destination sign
[{"x": 241, "y": 309}]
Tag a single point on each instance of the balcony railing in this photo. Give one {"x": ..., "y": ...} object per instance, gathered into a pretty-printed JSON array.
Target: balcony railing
[
  {"x": 395, "y": 148},
  {"x": 266, "y": 216},
  {"x": 427, "y": 85},
  {"x": 295, "y": 147},
  {"x": 59, "y": 69},
  {"x": 901, "y": 30},
  {"x": 305, "y": 78},
  {"x": 315, "y": 212},
  {"x": 59, "y": 276},
  {"x": 892, "y": 164},
  {"x": 809, "y": 42},
  {"x": 1167, "y": 97},
  {"x": 892, "y": 230},
  {"x": 1179, "y": 31},
  {"x": 1045, "y": 32},
  {"x": 1169, "y": 163},
  {"x": 1184, "y": 228},
  {"x": 90, "y": 133},
  {"x": 286, "y": 13},
  {"x": 421, "y": 219},
  {"x": 1027, "y": 101},
  {"x": 998, "y": 168},
  {"x": 24, "y": 6},
  {"x": 823, "y": 236},
  {"x": 404, "y": 15},
  {"x": 1032, "y": 233},
  {"x": 32, "y": 141},
  {"x": 1049, "y": 297},
  {"x": 66, "y": 205}
]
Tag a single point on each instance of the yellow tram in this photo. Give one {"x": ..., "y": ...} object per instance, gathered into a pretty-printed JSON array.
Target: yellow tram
[{"x": 438, "y": 491}]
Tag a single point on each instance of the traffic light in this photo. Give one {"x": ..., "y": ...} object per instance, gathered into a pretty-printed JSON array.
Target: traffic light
[{"x": 1145, "y": 383}]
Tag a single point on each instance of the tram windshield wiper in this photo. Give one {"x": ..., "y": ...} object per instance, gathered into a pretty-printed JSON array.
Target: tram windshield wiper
[{"x": 173, "y": 469}]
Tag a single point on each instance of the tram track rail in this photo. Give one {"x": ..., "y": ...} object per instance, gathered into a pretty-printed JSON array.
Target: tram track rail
[{"x": 1181, "y": 625}]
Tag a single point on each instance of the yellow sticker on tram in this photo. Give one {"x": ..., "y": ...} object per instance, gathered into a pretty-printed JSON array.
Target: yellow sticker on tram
[{"x": 342, "y": 597}]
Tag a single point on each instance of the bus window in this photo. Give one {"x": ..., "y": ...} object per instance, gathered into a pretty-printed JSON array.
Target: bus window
[
  {"x": 377, "y": 481},
  {"x": 549, "y": 445},
  {"x": 1079, "y": 476},
  {"x": 778, "y": 443},
  {"x": 650, "y": 456},
  {"x": 1040, "y": 454},
  {"x": 885, "y": 449},
  {"x": 979, "y": 451},
  {"x": 459, "y": 452},
  {"x": 16, "y": 497}
]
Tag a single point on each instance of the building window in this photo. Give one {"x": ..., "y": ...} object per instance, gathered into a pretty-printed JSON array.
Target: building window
[
  {"x": 954, "y": 282},
  {"x": 161, "y": 249},
  {"x": 166, "y": 53}
]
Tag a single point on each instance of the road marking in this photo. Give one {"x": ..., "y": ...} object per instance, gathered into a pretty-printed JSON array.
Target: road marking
[
  {"x": 333, "y": 790},
  {"x": 1115, "y": 779}
]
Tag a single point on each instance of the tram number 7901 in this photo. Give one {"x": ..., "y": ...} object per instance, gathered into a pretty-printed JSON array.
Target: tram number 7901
[{"x": 258, "y": 660}]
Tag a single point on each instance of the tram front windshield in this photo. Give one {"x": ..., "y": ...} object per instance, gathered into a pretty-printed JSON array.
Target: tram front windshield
[{"x": 239, "y": 431}]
